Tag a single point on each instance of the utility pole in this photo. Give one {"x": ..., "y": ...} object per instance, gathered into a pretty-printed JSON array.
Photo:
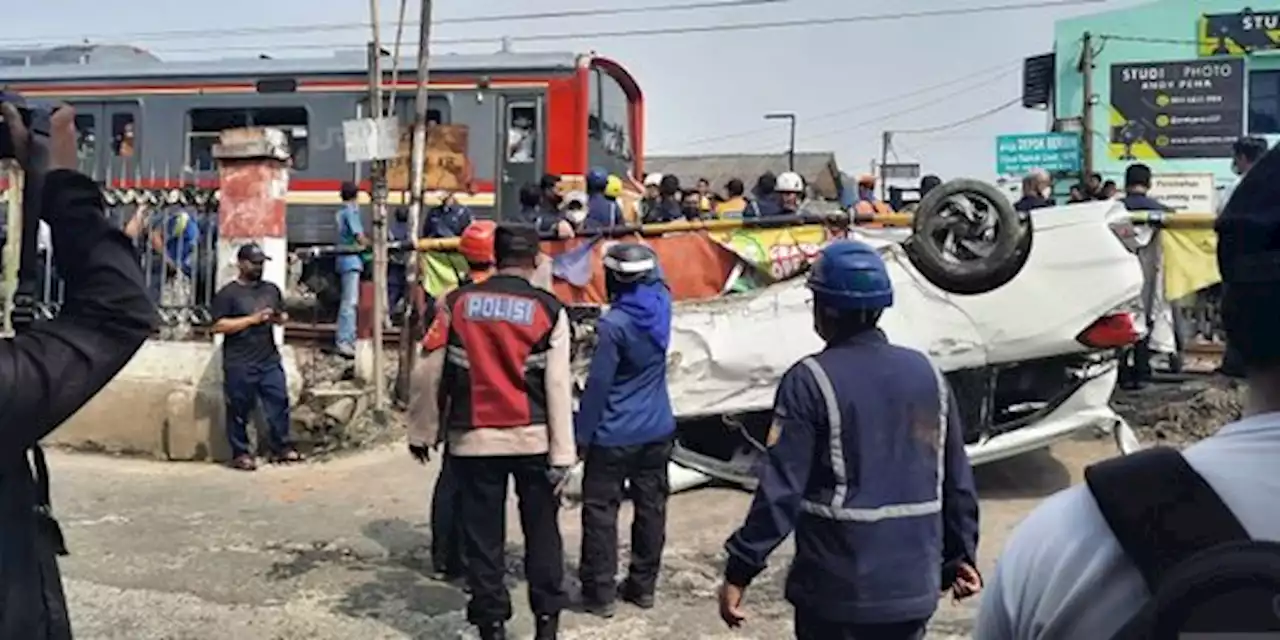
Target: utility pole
[
  {"x": 886, "y": 141},
  {"x": 1086, "y": 113},
  {"x": 417, "y": 180},
  {"x": 378, "y": 180},
  {"x": 791, "y": 148}
]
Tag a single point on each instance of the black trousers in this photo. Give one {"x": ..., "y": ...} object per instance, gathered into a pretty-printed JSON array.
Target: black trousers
[
  {"x": 483, "y": 482},
  {"x": 446, "y": 522},
  {"x": 812, "y": 627},
  {"x": 607, "y": 471}
]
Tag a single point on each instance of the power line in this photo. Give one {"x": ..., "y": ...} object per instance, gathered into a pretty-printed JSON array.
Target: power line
[
  {"x": 693, "y": 29},
  {"x": 960, "y": 123},
  {"x": 864, "y": 105},
  {"x": 912, "y": 109},
  {"x": 183, "y": 34},
  {"x": 1145, "y": 40}
]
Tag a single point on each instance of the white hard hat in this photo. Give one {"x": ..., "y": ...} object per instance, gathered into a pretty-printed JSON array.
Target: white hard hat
[
  {"x": 789, "y": 182},
  {"x": 653, "y": 180}
]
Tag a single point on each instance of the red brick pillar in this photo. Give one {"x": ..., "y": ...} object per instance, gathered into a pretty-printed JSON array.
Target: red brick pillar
[{"x": 253, "y": 181}]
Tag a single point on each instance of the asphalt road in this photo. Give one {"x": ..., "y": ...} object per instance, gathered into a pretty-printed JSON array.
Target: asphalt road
[{"x": 338, "y": 550}]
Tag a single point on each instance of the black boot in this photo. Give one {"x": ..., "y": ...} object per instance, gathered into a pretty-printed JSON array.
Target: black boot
[
  {"x": 493, "y": 631},
  {"x": 547, "y": 627}
]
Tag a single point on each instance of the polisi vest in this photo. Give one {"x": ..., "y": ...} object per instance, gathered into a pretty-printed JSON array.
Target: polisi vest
[{"x": 496, "y": 355}]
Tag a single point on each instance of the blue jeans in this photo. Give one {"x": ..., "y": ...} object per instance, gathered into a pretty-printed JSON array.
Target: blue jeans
[
  {"x": 243, "y": 385},
  {"x": 346, "y": 336}
]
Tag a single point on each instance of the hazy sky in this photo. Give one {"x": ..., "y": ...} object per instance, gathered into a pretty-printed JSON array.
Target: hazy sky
[{"x": 697, "y": 86}]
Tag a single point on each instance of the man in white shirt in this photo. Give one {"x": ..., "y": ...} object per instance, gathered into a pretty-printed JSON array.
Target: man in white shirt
[
  {"x": 1063, "y": 575},
  {"x": 1244, "y": 154}
]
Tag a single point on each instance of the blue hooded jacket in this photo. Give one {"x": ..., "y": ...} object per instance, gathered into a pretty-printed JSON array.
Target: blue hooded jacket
[{"x": 626, "y": 401}]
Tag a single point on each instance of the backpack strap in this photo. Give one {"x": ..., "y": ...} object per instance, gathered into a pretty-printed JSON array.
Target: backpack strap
[{"x": 1161, "y": 511}]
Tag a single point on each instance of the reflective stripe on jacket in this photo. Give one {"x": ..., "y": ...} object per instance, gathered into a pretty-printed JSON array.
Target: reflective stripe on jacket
[{"x": 867, "y": 465}]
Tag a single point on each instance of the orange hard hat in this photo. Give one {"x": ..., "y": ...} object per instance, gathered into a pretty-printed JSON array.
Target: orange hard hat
[
  {"x": 476, "y": 244},
  {"x": 866, "y": 180}
]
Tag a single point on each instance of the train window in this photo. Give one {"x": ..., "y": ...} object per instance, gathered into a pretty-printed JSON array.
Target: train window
[
  {"x": 206, "y": 125},
  {"x": 123, "y": 135},
  {"x": 608, "y": 123},
  {"x": 292, "y": 121},
  {"x": 437, "y": 109},
  {"x": 522, "y": 132},
  {"x": 87, "y": 141}
]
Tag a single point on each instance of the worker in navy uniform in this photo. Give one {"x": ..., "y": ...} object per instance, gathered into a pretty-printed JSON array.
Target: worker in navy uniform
[
  {"x": 625, "y": 430},
  {"x": 603, "y": 212},
  {"x": 867, "y": 465},
  {"x": 506, "y": 394}
]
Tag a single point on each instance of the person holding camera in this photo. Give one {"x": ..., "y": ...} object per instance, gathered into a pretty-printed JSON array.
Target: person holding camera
[
  {"x": 49, "y": 369},
  {"x": 244, "y": 311}
]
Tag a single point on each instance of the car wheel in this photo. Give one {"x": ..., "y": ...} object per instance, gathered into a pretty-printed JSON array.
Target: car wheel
[{"x": 967, "y": 238}]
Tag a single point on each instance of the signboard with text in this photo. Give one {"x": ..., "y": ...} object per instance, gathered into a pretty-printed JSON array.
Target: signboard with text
[
  {"x": 1187, "y": 192},
  {"x": 1054, "y": 152},
  {"x": 1176, "y": 110},
  {"x": 1236, "y": 34}
]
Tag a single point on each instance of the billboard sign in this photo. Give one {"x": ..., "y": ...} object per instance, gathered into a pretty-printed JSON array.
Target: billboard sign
[
  {"x": 1236, "y": 34},
  {"x": 1176, "y": 110}
]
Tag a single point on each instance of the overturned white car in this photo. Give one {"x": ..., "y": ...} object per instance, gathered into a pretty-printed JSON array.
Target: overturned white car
[{"x": 1025, "y": 316}]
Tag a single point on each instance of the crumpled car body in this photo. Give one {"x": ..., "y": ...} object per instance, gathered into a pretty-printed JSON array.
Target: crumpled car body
[{"x": 1014, "y": 356}]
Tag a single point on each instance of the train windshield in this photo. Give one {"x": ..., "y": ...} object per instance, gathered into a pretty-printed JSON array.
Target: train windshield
[{"x": 611, "y": 143}]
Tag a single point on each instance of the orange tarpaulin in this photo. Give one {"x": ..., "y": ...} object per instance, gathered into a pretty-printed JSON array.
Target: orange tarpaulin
[{"x": 695, "y": 266}]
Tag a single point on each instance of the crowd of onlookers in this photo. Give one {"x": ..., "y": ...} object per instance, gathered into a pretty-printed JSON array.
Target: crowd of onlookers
[{"x": 665, "y": 198}]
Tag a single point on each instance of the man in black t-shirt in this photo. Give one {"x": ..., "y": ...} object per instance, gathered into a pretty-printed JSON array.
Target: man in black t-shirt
[{"x": 244, "y": 312}]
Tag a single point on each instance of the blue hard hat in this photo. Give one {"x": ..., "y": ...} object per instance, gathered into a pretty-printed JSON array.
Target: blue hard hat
[
  {"x": 850, "y": 276},
  {"x": 597, "y": 178}
]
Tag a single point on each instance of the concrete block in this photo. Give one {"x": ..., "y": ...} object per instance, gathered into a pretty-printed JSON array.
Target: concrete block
[{"x": 167, "y": 403}]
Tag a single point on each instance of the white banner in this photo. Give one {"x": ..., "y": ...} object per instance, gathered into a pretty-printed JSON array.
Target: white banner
[{"x": 1185, "y": 192}]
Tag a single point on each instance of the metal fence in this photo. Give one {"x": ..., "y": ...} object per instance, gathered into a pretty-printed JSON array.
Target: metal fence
[{"x": 176, "y": 233}]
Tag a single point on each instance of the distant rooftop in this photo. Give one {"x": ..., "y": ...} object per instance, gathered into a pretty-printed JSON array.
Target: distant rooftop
[{"x": 74, "y": 54}]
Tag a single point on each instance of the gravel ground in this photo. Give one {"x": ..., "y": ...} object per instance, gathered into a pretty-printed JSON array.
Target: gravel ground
[
  {"x": 1178, "y": 414},
  {"x": 338, "y": 549}
]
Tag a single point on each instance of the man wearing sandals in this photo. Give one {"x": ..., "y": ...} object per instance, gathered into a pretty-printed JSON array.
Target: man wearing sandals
[{"x": 244, "y": 312}]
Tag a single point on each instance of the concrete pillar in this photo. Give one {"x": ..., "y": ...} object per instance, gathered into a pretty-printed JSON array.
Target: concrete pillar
[{"x": 253, "y": 181}]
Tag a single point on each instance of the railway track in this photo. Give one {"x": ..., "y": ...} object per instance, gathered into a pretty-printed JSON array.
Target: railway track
[{"x": 323, "y": 333}]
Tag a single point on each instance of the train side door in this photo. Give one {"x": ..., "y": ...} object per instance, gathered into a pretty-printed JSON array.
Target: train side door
[{"x": 521, "y": 149}]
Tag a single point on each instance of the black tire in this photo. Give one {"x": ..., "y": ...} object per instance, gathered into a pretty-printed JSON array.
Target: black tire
[{"x": 968, "y": 275}]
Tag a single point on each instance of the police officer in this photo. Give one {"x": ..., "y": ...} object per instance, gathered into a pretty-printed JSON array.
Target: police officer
[
  {"x": 866, "y": 463},
  {"x": 625, "y": 428},
  {"x": 447, "y": 558},
  {"x": 505, "y": 386}
]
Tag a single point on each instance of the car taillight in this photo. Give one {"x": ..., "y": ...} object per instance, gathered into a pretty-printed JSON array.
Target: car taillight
[{"x": 1111, "y": 331}]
